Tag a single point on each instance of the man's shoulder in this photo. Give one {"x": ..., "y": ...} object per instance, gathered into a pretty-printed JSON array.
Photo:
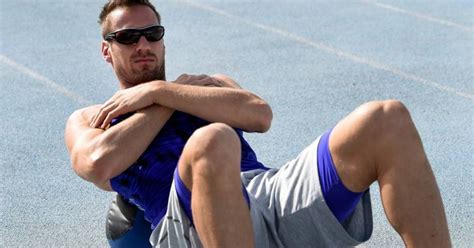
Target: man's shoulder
[{"x": 84, "y": 114}]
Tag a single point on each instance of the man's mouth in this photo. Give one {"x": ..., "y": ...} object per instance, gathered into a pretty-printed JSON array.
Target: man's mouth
[{"x": 144, "y": 60}]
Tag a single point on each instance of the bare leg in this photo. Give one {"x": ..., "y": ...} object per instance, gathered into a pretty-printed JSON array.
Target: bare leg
[
  {"x": 379, "y": 141},
  {"x": 210, "y": 168}
]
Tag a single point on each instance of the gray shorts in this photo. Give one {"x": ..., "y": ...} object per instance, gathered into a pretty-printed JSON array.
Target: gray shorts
[{"x": 287, "y": 210}]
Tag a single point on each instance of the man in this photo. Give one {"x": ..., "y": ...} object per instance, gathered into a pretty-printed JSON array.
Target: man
[{"x": 176, "y": 150}]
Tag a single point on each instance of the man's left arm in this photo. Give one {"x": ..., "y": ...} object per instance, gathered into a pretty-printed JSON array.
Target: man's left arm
[{"x": 229, "y": 104}]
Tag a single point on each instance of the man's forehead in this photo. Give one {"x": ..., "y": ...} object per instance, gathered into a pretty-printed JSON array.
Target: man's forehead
[{"x": 132, "y": 17}]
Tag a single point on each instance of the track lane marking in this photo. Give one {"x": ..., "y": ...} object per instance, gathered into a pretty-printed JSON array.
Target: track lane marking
[
  {"x": 419, "y": 15},
  {"x": 326, "y": 48},
  {"x": 44, "y": 80}
]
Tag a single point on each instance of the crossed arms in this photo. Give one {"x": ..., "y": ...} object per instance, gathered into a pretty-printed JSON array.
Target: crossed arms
[{"x": 99, "y": 152}]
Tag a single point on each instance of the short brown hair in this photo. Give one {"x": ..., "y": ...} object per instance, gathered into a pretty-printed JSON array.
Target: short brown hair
[{"x": 111, "y": 5}]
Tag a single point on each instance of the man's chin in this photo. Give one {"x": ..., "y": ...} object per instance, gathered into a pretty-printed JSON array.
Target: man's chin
[
  {"x": 144, "y": 74},
  {"x": 145, "y": 77}
]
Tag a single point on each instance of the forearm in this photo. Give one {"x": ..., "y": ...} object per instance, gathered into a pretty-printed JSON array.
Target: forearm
[
  {"x": 235, "y": 107},
  {"x": 118, "y": 147}
]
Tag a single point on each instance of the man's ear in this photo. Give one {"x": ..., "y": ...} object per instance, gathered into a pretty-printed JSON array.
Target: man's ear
[{"x": 106, "y": 52}]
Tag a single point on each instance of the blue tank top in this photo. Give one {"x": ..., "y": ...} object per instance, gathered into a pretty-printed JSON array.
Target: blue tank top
[{"x": 147, "y": 182}]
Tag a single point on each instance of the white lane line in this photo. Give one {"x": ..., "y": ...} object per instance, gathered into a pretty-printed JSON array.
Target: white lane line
[
  {"x": 331, "y": 50},
  {"x": 45, "y": 81},
  {"x": 419, "y": 15}
]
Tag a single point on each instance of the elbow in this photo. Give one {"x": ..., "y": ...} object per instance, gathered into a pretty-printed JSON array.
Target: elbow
[
  {"x": 264, "y": 118},
  {"x": 90, "y": 168}
]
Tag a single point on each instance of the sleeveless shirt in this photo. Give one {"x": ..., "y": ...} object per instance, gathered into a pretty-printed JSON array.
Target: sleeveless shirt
[{"x": 147, "y": 182}]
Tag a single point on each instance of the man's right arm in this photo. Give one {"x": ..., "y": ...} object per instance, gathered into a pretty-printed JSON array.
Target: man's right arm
[{"x": 98, "y": 155}]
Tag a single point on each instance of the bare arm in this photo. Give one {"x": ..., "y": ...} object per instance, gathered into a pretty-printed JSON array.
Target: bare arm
[
  {"x": 98, "y": 155},
  {"x": 234, "y": 106}
]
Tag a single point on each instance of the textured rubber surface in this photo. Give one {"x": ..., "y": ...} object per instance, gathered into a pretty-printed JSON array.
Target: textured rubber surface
[{"x": 50, "y": 65}]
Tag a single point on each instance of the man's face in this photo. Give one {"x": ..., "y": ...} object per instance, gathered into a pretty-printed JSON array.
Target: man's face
[{"x": 139, "y": 62}]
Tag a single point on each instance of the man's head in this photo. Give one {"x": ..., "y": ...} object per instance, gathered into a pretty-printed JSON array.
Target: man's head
[{"x": 140, "y": 61}]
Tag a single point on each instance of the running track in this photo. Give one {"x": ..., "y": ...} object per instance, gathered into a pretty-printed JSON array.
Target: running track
[{"x": 314, "y": 61}]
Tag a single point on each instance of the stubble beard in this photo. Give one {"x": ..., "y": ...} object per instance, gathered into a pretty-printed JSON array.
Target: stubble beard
[{"x": 135, "y": 77}]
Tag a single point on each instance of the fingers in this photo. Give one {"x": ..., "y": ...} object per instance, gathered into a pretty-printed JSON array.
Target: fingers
[
  {"x": 111, "y": 115},
  {"x": 93, "y": 123},
  {"x": 122, "y": 102},
  {"x": 181, "y": 77},
  {"x": 107, "y": 112},
  {"x": 199, "y": 80},
  {"x": 210, "y": 82},
  {"x": 206, "y": 80},
  {"x": 190, "y": 79},
  {"x": 99, "y": 118}
]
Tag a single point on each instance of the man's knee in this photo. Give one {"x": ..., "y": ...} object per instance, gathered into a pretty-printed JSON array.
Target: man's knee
[
  {"x": 396, "y": 115},
  {"x": 386, "y": 118},
  {"x": 213, "y": 145},
  {"x": 391, "y": 130},
  {"x": 358, "y": 141}
]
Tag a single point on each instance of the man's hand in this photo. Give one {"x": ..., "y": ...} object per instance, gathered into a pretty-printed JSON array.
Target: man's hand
[
  {"x": 125, "y": 101},
  {"x": 199, "y": 80},
  {"x": 195, "y": 95},
  {"x": 141, "y": 96}
]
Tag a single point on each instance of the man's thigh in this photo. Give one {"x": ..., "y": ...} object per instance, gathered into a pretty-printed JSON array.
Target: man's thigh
[
  {"x": 292, "y": 187},
  {"x": 291, "y": 204}
]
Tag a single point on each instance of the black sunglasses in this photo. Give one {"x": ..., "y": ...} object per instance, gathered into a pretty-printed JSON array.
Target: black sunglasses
[{"x": 132, "y": 35}]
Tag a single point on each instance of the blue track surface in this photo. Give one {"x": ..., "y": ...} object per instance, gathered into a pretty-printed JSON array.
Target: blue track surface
[{"x": 314, "y": 61}]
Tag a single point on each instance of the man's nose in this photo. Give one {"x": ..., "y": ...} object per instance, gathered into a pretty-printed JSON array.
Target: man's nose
[{"x": 143, "y": 45}]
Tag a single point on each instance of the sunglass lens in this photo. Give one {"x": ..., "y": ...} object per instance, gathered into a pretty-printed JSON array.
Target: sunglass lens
[
  {"x": 130, "y": 36},
  {"x": 154, "y": 34},
  {"x": 127, "y": 36}
]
